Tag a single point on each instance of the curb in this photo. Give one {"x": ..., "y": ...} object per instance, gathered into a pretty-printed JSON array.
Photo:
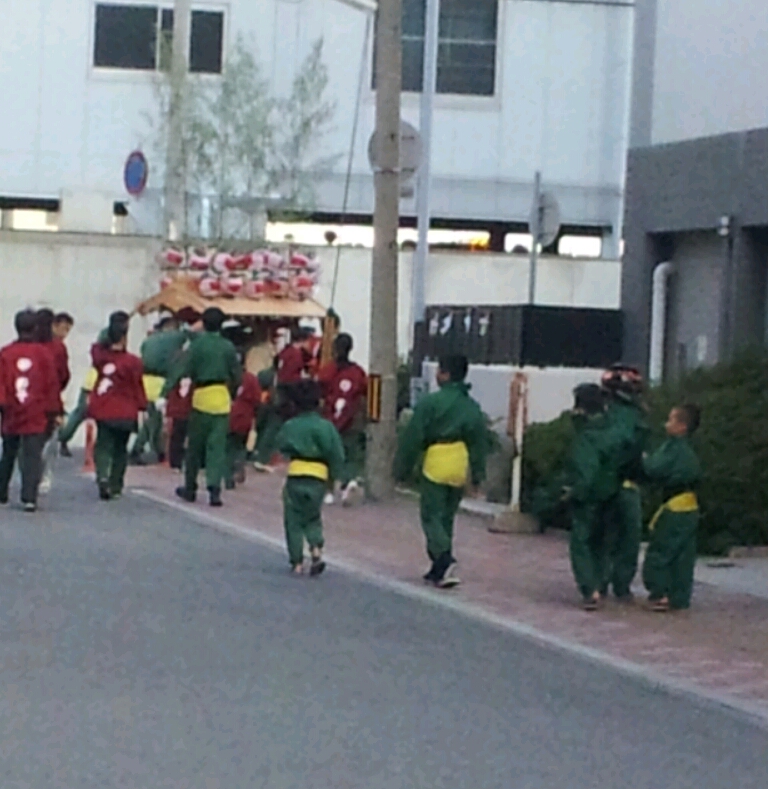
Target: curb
[{"x": 757, "y": 713}]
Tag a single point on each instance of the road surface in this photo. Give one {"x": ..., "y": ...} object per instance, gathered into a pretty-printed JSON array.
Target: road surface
[{"x": 140, "y": 649}]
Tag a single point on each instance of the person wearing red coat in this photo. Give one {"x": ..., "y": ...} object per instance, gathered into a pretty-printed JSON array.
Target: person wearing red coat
[
  {"x": 115, "y": 405},
  {"x": 293, "y": 360},
  {"x": 344, "y": 385},
  {"x": 245, "y": 407},
  {"x": 177, "y": 409},
  {"x": 29, "y": 394}
]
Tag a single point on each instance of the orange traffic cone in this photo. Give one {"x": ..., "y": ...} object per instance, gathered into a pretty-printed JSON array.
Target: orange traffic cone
[{"x": 90, "y": 441}]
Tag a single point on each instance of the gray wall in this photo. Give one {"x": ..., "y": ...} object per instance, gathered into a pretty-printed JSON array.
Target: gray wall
[
  {"x": 680, "y": 189},
  {"x": 695, "y": 300}
]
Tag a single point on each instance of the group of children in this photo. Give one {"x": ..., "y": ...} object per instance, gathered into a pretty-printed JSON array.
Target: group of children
[
  {"x": 608, "y": 463},
  {"x": 34, "y": 371},
  {"x": 316, "y": 421}
]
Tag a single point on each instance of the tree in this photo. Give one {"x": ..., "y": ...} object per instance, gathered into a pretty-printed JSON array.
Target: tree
[
  {"x": 240, "y": 144},
  {"x": 307, "y": 115}
]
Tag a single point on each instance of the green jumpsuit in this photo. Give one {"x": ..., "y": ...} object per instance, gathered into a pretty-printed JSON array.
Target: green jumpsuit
[
  {"x": 446, "y": 416},
  {"x": 628, "y": 435},
  {"x": 671, "y": 556},
  {"x": 268, "y": 421},
  {"x": 592, "y": 478},
  {"x": 307, "y": 437},
  {"x": 158, "y": 352},
  {"x": 211, "y": 360}
]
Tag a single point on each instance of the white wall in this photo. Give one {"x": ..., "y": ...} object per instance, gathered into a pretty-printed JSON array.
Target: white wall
[
  {"x": 91, "y": 276},
  {"x": 561, "y": 105},
  {"x": 550, "y": 392},
  {"x": 87, "y": 276},
  {"x": 710, "y": 65},
  {"x": 454, "y": 278}
]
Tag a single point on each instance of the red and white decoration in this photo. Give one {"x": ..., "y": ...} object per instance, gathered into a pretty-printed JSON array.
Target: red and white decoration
[{"x": 263, "y": 273}]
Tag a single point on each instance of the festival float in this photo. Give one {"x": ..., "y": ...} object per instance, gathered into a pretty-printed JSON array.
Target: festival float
[{"x": 264, "y": 291}]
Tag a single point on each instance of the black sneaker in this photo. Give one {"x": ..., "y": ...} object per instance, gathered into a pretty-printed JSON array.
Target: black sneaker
[
  {"x": 317, "y": 567},
  {"x": 4, "y": 498},
  {"x": 64, "y": 450},
  {"x": 104, "y": 493},
  {"x": 430, "y": 577},
  {"x": 29, "y": 507},
  {"x": 214, "y": 497},
  {"x": 186, "y": 495}
]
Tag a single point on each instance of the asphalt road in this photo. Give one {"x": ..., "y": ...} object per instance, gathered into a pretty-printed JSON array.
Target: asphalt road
[{"x": 139, "y": 649}]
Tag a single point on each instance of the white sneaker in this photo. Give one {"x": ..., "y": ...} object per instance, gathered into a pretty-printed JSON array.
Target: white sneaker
[
  {"x": 262, "y": 468},
  {"x": 353, "y": 494},
  {"x": 329, "y": 499},
  {"x": 450, "y": 579},
  {"x": 46, "y": 483}
]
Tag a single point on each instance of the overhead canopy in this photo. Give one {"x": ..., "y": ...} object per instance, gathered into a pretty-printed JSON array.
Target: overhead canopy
[{"x": 182, "y": 295}]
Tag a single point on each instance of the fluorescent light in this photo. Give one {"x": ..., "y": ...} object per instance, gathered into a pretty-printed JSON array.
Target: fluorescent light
[{"x": 371, "y": 6}]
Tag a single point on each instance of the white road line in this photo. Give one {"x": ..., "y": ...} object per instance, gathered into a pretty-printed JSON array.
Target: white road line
[{"x": 758, "y": 713}]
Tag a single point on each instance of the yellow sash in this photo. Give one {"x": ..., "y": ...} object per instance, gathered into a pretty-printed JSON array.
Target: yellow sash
[
  {"x": 684, "y": 502},
  {"x": 90, "y": 379},
  {"x": 308, "y": 468},
  {"x": 447, "y": 464},
  {"x": 629, "y": 485},
  {"x": 153, "y": 387},
  {"x": 214, "y": 399}
]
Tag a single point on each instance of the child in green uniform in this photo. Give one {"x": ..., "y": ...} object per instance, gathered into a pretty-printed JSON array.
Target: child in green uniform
[
  {"x": 592, "y": 482},
  {"x": 671, "y": 556},
  {"x": 214, "y": 370},
  {"x": 449, "y": 429},
  {"x": 628, "y": 434},
  {"x": 313, "y": 446}
]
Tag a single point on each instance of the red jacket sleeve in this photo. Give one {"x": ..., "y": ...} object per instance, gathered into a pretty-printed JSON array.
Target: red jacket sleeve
[
  {"x": 52, "y": 383},
  {"x": 62, "y": 364}
]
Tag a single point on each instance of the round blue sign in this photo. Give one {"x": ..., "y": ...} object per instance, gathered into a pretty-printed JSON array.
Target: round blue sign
[{"x": 136, "y": 173}]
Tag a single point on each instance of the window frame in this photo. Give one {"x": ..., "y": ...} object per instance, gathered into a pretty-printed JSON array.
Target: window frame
[
  {"x": 118, "y": 74},
  {"x": 411, "y": 100},
  {"x": 469, "y": 101}
]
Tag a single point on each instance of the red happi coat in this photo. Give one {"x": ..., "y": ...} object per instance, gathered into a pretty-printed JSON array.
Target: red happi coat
[
  {"x": 119, "y": 392},
  {"x": 29, "y": 388},
  {"x": 344, "y": 391},
  {"x": 244, "y": 406},
  {"x": 180, "y": 400}
]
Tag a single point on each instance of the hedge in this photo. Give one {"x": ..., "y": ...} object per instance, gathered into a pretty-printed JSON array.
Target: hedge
[{"x": 732, "y": 444}]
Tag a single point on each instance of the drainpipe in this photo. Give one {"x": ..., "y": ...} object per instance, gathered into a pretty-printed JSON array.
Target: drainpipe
[{"x": 661, "y": 275}]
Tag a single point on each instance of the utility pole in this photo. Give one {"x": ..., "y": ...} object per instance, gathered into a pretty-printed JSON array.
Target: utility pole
[
  {"x": 424, "y": 184},
  {"x": 536, "y": 231},
  {"x": 175, "y": 180},
  {"x": 386, "y": 220}
]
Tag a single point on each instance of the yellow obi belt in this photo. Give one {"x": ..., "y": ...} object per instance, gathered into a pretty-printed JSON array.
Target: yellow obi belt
[
  {"x": 447, "y": 464},
  {"x": 309, "y": 468},
  {"x": 214, "y": 399},
  {"x": 90, "y": 379},
  {"x": 153, "y": 387},
  {"x": 684, "y": 502}
]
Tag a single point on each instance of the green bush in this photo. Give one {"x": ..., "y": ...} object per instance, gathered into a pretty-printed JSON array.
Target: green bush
[{"x": 732, "y": 444}]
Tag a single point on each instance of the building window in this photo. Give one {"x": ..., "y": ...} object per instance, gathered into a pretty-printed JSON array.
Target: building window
[
  {"x": 141, "y": 37},
  {"x": 126, "y": 37},
  {"x": 466, "y": 59}
]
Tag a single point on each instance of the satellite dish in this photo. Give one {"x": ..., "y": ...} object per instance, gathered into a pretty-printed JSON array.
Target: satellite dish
[
  {"x": 544, "y": 222},
  {"x": 411, "y": 153}
]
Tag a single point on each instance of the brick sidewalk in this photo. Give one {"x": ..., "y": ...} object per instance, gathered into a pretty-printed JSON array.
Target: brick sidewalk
[{"x": 720, "y": 646}]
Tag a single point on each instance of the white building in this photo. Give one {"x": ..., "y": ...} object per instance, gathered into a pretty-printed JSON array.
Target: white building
[{"x": 523, "y": 85}]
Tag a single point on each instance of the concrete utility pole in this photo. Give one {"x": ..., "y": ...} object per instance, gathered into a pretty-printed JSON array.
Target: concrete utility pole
[
  {"x": 175, "y": 181},
  {"x": 386, "y": 220}
]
